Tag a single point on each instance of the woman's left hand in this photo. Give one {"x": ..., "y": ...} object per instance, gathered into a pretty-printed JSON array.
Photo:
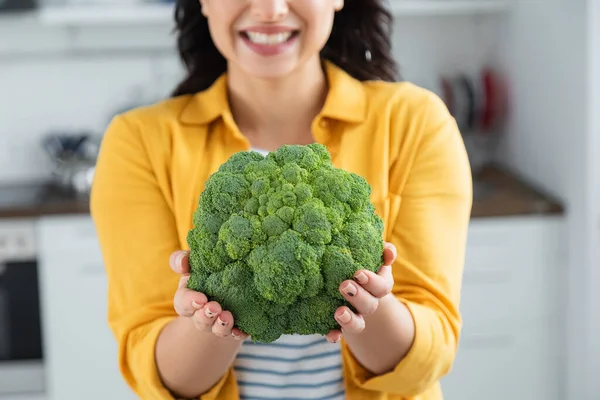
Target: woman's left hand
[{"x": 364, "y": 294}]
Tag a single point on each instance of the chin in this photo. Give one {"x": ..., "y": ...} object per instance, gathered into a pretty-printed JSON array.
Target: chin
[{"x": 269, "y": 69}]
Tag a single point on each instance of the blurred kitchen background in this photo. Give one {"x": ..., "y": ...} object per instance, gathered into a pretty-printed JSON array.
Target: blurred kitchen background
[{"x": 522, "y": 77}]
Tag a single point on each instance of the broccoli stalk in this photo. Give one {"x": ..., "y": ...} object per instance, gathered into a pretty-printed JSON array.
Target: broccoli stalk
[{"x": 273, "y": 238}]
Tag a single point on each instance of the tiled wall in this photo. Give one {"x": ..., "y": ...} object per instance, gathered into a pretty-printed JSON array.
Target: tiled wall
[{"x": 46, "y": 86}]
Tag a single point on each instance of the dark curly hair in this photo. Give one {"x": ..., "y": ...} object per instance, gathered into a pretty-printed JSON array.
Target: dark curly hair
[{"x": 360, "y": 43}]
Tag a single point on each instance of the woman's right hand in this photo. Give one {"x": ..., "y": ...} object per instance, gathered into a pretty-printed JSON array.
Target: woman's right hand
[{"x": 207, "y": 315}]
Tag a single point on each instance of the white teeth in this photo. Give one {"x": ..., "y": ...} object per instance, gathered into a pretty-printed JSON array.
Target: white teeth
[{"x": 273, "y": 39}]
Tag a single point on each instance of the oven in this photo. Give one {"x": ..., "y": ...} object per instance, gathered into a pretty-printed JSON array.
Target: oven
[{"x": 21, "y": 340}]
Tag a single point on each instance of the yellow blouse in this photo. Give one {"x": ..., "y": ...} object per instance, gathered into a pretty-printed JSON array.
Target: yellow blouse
[{"x": 151, "y": 171}]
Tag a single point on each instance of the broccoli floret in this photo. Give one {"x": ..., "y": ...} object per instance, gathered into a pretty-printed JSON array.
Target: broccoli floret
[{"x": 273, "y": 238}]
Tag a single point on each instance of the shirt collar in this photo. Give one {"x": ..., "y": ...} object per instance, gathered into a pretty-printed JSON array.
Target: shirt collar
[{"x": 345, "y": 101}]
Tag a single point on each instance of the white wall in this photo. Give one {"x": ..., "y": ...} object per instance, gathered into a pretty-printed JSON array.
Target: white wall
[
  {"x": 545, "y": 57},
  {"x": 42, "y": 95},
  {"x": 546, "y": 53},
  {"x": 429, "y": 46},
  {"x": 593, "y": 206},
  {"x": 53, "y": 78}
]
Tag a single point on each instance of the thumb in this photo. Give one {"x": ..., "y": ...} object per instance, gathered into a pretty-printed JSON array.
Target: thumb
[{"x": 179, "y": 261}]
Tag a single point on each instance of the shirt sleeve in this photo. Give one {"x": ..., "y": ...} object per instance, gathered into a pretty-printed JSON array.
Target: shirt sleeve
[
  {"x": 429, "y": 208},
  {"x": 133, "y": 215}
]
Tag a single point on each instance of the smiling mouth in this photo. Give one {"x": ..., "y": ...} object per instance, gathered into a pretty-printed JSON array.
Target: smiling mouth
[{"x": 269, "y": 39}]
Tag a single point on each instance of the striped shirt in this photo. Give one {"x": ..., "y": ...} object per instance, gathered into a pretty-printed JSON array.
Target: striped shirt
[{"x": 294, "y": 367}]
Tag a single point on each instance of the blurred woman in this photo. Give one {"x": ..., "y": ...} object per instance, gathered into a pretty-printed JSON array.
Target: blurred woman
[{"x": 260, "y": 74}]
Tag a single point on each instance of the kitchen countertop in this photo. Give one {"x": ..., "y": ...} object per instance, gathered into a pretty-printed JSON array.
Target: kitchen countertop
[
  {"x": 39, "y": 198},
  {"x": 496, "y": 194}
]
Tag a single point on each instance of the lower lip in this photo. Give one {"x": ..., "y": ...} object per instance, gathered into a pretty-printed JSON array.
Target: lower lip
[{"x": 269, "y": 50}]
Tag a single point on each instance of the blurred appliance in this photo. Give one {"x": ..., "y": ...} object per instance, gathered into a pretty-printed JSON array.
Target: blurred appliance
[
  {"x": 74, "y": 157},
  {"x": 21, "y": 341},
  {"x": 17, "y": 5}
]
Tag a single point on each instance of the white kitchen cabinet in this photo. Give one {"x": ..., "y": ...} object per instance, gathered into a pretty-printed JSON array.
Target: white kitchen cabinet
[
  {"x": 510, "y": 344},
  {"x": 509, "y": 347},
  {"x": 160, "y": 14},
  {"x": 80, "y": 351}
]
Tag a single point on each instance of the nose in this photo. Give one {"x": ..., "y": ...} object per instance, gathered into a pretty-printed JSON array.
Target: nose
[{"x": 269, "y": 10}]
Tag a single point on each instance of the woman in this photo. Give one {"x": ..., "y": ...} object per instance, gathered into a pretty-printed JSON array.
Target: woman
[{"x": 260, "y": 74}]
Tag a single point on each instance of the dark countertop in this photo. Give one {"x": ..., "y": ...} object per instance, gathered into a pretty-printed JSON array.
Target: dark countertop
[
  {"x": 39, "y": 198},
  {"x": 497, "y": 194}
]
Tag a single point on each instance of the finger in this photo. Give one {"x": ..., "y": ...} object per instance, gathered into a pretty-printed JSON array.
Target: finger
[
  {"x": 364, "y": 302},
  {"x": 179, "y": 262},
  {"x": 183, "y": 281},
  {"x": 205, "y": 317},
  {"x": 223, "y": 325},
  {"x": 379, "y": 284},
  {"x": 187, "y": 301},
  {"x": 237, "y": 334},
  {"x": 389, "y": 253},
  {"x": 334, "y": 336},
  {"x": 349, "y": 321}
]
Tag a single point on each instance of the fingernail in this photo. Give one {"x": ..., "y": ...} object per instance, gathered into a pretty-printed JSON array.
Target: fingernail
[
  {"x": 209, "y": 313},
  {"x": 345, "y": 317},
  {"x": 196, "y": 304},
  {"x": 361, "y": 277},
  {"x": 221, "y": 322},
  {"x": 349, "y": 289},
  {"x": 235, "y": 335}
]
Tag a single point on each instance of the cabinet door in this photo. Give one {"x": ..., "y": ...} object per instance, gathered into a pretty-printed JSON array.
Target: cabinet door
[
  {"x": 510, "y": 342},
  {"x": 515, "y": 362},
  {"x": 80, "y": 350}
]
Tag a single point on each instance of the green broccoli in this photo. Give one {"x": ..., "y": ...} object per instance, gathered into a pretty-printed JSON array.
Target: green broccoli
[{"x": 273, "y": 238}]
